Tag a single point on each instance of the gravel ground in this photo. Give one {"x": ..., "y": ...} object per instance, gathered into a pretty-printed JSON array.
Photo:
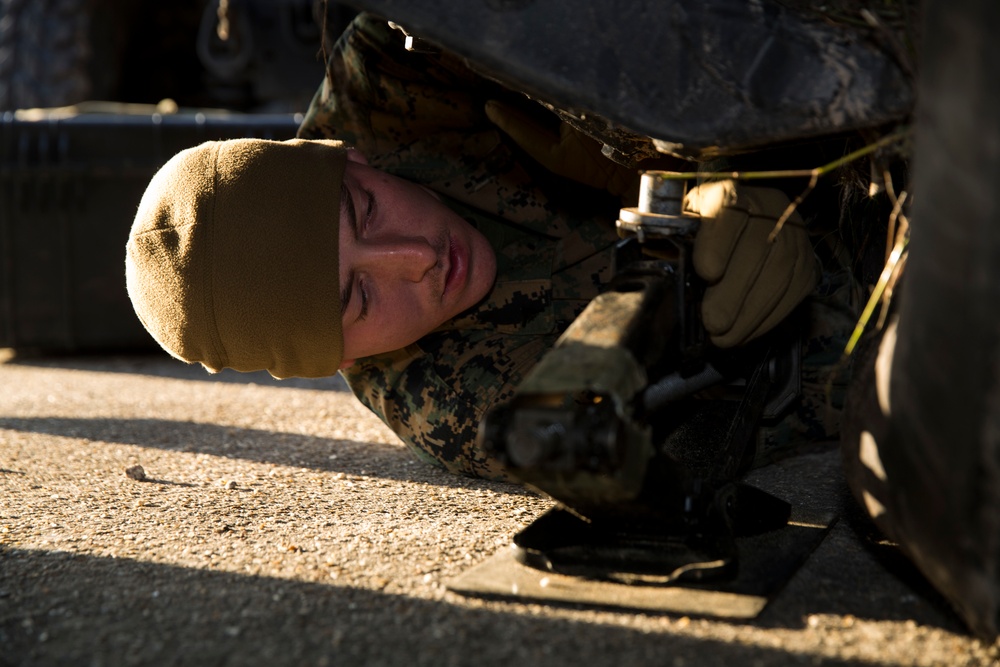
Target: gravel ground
[{"x": 284, "y": 525}]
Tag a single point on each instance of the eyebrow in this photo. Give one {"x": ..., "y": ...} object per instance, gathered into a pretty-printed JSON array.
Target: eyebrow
[{"x": 347, "y": 205}]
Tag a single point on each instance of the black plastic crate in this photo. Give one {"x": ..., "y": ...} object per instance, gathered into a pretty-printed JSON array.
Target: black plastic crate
[{"x": 69, "y": 189}]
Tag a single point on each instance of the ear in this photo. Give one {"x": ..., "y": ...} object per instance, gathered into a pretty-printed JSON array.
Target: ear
[
  {"x": 354, "y": 155},
  {"x": 346, "y": 363}
]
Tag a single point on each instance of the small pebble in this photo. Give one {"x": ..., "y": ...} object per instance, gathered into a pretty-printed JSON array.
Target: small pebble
[
  {"x": 231, "y": 484},
  {"x": 137, "y": 473}
]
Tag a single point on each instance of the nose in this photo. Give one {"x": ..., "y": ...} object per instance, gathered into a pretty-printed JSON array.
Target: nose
[{"x": 404, "y": 258}]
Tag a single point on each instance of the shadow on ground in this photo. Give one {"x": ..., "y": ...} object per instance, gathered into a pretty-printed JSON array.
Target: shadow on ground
[
  {"x": 371, "y": 459},
  {"x": 160, "y": 364},
  {"x": 62, "y": 609},
  {"x": 856, "y": 575}
]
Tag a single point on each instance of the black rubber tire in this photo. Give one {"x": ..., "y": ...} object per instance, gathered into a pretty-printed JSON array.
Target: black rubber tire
[
  {"x": 939, "y": 441},
  {"x": 45, "y": 53}
]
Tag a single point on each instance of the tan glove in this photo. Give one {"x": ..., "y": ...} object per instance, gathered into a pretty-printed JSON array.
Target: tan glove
[
  {"x": 753, "y": 284},
  {"x": 569, "y": 153}
]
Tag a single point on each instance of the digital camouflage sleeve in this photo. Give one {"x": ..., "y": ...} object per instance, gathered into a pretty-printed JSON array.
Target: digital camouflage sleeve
[{"x": 421, "y": 116}]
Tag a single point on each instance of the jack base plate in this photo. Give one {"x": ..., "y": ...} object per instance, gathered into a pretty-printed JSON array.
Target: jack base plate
[{"x": 766, "y": 562}]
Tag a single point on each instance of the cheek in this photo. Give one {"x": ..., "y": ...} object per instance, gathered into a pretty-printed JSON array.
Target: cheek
[
  {"x": 402, "y": 322},
  {"x": 486, "y": 267}
]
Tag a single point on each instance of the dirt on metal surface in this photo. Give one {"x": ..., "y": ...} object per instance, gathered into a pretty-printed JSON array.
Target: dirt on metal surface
[{"x": 284, "y": 525}]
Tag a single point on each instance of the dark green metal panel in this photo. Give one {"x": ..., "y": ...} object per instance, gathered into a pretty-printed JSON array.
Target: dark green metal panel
[{"x": 69, "y": 188}]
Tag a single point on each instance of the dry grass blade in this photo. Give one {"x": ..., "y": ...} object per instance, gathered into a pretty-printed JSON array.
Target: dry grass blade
[{"x": 885, "y": 281}]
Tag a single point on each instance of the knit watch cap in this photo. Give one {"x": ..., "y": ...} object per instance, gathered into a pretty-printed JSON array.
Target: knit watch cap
[{"x": 233, "y": 260}]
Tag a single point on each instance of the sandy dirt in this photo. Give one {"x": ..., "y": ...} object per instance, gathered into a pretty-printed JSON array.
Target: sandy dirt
[{"x": 284, "y": 525}]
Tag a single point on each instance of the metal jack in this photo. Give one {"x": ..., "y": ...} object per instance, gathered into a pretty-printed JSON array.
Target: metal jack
[{"x": 595, "y": 424}]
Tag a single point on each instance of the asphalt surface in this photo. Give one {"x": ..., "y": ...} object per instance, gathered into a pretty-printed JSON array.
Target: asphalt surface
[{"x": 284, "y": 525}]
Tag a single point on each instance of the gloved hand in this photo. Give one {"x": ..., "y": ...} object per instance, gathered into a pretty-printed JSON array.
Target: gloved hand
[
  {"x": 752, "y": 284},
  {"x": 569, "y": 153}
]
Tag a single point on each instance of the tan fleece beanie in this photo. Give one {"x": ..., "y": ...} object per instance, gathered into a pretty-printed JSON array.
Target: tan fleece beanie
[{"x": 233, "y": 256}]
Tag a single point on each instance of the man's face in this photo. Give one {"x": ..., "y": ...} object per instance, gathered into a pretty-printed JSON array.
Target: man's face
[{"x": 408, "y": 263}]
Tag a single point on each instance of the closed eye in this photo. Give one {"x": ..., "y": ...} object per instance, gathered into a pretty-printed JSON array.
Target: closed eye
[
  {"x": 349, "y": 215},
  {"x": 369, "y": 215},
  {"x": 363, "y": 290},
  {"x": 370, "y": 208}
]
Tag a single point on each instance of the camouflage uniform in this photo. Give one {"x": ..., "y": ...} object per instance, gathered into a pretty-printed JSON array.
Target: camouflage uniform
[{"x": 421, "y": 117}]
